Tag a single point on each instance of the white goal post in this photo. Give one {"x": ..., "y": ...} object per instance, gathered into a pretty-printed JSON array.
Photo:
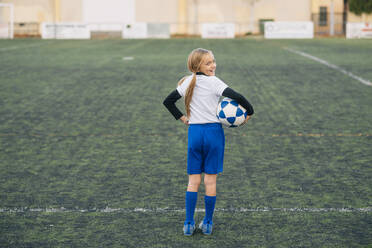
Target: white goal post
[{"x": 6, "y": 21}]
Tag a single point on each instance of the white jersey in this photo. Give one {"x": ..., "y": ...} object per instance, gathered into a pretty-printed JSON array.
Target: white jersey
[{"x": 204, "y": 102}]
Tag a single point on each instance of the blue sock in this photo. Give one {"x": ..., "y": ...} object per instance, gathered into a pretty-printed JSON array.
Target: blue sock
[
  {"x": 191, "y": 198},
  {"x": 210, "y": 202}
]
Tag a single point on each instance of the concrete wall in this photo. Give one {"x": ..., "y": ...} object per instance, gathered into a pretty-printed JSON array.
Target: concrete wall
[
  {"x": 156, "y": 11},
  {"x": 362, "y": 18},
  {"x": 108, "y": 11},
  {"x": 71, "y": 10},
  {"x": 32, "y": 11},
  {"x": 338, "y": 5},
  {"x": 283, "y": 10}
]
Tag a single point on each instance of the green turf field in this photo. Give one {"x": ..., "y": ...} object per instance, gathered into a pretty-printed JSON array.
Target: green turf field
[{"x": 89, "y": 156}]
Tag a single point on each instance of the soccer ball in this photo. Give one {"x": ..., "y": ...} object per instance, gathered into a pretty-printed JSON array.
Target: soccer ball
[{"x": 230, "y": 113}]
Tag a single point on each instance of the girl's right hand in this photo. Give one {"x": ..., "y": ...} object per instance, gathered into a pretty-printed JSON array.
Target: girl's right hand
[
  {"x": 184, "y": 120},
  {"x": 246, "y": 120}
]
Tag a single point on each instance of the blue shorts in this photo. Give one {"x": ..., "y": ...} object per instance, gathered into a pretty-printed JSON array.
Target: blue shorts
[{"x": 205, "y": 148}]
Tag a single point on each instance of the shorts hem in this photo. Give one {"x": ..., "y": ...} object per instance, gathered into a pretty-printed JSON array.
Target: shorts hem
[{"x": 205, "y": 172}]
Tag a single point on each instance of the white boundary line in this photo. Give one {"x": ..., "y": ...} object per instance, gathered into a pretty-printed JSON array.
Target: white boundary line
[
  {"x": 5, "y": 49},
  {"x": 337, "y": 68},
  {"x": 170, "y": 210}
]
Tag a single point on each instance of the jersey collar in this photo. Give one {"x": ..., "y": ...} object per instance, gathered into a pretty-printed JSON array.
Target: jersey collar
[{"x": 201, "y": 73}]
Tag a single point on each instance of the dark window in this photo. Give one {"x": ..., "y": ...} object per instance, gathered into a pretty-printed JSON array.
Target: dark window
[{"x": 323, "y": 16}]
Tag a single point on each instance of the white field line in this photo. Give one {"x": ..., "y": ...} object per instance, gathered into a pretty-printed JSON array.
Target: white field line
[
  {"x": 4, "y": 49},
  {"x": 170, "y": 210},
  {"x": 335, "y": 67}
]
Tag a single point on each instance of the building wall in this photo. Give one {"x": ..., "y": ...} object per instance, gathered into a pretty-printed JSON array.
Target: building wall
[
  {"x": 339, "y": 8},
  {"x": 108, "y": 11},
  {"x": 283, "y": 10},
  {"x": 163, "y": 11},
  {"x": 351, "y": 17},
  {"x": 338, "y": 5},
  {"x": 37, "y": 11},
  {"x": 215, "y": 11},
  {"x": 32, "y": 11},
  {"x": 184, "y": 16},
  {"x": 160, "y": 11},
  {"x": 323, "y": 21},
  {"x": 71, "y": 10}
]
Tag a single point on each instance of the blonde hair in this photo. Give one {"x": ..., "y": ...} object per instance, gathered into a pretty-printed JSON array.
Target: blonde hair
[{"x": 194, "y": 62}]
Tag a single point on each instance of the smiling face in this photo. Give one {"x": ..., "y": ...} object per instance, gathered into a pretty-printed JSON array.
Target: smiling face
[{"x": 208, "y": 65}]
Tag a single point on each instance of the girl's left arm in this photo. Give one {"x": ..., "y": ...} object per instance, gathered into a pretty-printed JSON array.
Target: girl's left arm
[{"x": 228, "y": 92}]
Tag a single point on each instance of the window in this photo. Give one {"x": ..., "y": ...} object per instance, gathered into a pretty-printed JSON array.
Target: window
[{"x": 323, "y": 16}]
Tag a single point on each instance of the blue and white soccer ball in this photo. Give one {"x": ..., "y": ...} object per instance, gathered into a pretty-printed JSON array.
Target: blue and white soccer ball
[{"x": 230, "y": 113}]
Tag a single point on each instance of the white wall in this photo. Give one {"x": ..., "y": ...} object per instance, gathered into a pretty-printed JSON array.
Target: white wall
[
  {"x": 32, "y": 11},
  {"x": 71, "y": 10},
  {"x": 108, "y": 11},
  {"x": 289, "y": 10},
  {"x": 157, "y": 11}
]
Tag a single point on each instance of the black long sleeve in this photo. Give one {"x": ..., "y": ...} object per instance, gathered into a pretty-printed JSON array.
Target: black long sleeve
[
  {"x": 170, "y": 104},
  {"x": 228, "y": 92}
]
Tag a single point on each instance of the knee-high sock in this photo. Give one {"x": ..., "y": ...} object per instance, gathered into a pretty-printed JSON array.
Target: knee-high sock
[
  {"x": 210, "y": 202},
  {"x": 191, "y": 199}
]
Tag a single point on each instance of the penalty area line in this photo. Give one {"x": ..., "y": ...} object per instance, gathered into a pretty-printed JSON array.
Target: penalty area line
[
  {"x": 335, "y": 67},
  {"x": 107, "y": 135},
  {"x": 4, "y": 49},
  {"x": 172, "y": 210}
]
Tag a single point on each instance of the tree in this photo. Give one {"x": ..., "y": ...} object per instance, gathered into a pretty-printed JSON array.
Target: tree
[{"x": 360, "y": 7}]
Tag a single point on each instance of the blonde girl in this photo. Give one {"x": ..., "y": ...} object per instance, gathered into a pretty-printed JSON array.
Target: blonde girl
[{"x": 206, "y": 140}]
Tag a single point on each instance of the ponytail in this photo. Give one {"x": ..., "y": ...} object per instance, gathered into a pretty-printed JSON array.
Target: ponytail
[{"x": 189, "y": 93}]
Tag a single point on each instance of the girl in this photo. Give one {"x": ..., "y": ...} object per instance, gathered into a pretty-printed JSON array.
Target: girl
[{"x": 206, "y": 139}]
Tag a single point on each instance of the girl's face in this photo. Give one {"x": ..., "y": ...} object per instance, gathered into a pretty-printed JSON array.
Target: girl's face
[{"x": 208, "y": 66}]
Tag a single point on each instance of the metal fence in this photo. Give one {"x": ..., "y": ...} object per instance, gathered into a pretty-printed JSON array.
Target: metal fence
[{"x": 323, "y": 23}]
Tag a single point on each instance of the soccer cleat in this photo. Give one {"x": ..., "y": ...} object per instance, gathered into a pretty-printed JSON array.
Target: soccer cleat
[
  {"x": 206, "y": 227},
  {"x": 188, "y": 229}
]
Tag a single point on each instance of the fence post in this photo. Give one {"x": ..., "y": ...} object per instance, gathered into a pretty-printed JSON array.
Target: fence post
[{"x": 332, "y": 21}]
